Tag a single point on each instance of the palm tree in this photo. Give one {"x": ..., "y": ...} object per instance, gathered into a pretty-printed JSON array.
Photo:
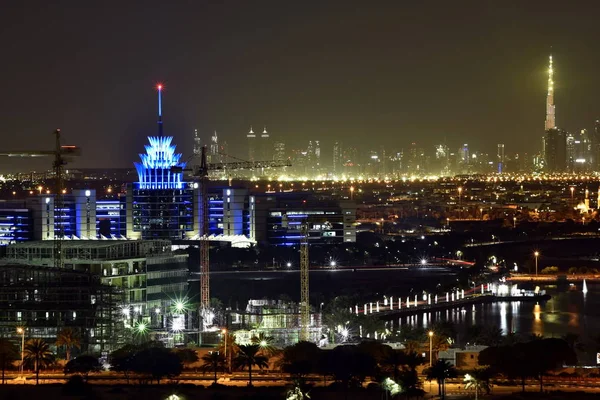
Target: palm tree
[
  {"x": 574, "y": 343},
  {"x": 478, "y": 379},
  {"x": 229, "y": 348},
  {"x": 38, "y": 351},
  {"x": 8, "y": 353},
  {"x": 440, "y": 371},
  {"x": 212, "y": 361},
  {"x": 393, "y": 360},
  {"x": 265, "y": 343},
  {"x": 68, "y": 338},
  {"x": 249, "y": 356}
]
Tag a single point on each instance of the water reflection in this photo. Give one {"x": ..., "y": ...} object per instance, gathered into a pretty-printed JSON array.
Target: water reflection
[{"x": 566, "y": 312}]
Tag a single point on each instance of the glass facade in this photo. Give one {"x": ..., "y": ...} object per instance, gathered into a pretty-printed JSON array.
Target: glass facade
[
  {"x": 15, "y": 226},
  {"x": 163, "y": 213}
]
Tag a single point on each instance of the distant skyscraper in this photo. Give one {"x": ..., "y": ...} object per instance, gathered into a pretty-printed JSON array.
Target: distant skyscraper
[
  {"x": 595, "y": 147},
  {"x": 500, "y": 157},
  {"x": 251, "y": 141},
  {"x": 570, "y": 142},
  {"x": 197, "y": 144},
  {"x": 337, "y": 158},
  {"x": 550, "y": 108},
  {"x": 556, "y": 150},
  {"x": 266, "y": 152},
  {"x": 279, "y": 148},
  {"x": 214, "y": 155}
]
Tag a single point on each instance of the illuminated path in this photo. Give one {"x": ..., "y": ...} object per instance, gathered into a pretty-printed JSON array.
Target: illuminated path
[{"x": 392, "y": 306}]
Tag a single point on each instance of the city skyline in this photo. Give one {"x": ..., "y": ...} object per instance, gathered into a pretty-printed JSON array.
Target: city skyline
[{"x": 376, "y": 74}]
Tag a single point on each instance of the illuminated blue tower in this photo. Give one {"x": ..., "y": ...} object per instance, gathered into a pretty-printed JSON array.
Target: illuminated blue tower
[{"x": 160, "y": 204}]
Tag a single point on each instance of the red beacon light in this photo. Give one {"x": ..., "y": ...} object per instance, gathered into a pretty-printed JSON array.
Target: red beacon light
[{"x": 159, "y": 86}]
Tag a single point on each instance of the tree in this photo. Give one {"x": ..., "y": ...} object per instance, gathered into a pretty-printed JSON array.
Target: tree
[
  {"x": 212, "y": 362},
  {"x": 392, "y": 362},
  {"x": 350, "y": 365},
  {"x": 121, "y": 360},
  {"x": 187, "y": 356},
  {"x": 531, "y": 359},
  {"x": 68, "y": 338},
  {"x": 265, "y": 343},
  {"x": 83, "y": 365},
  {"x": 8, "y": 354},
  {"x": 478, "y": 379},
  {"x": 573, "y": 342},
  {"x": 38, "y": 352},
  {"x": 229, "y": 348},
  {"x": 440, "y": 371},
  {"x": 249, "y": 356},
  {"x": 156, "y": 363},
  {"x": 300, "y": 359}
]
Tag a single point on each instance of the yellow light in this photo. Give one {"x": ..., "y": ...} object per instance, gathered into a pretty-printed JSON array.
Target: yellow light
[{"x": 430, "y": 333}]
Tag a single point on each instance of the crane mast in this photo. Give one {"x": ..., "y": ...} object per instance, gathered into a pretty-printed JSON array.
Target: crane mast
[{"x": 201, "y": 171}]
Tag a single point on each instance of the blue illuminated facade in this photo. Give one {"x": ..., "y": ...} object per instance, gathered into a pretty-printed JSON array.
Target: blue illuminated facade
[
  {"x": 154, "y": 170},
  {"x": 15, "y": 223},
  {"x": 110, "y": 218},
  {"x": 160, "y": 205}
]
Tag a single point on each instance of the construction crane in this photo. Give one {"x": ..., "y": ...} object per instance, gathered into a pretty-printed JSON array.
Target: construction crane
[
  {"x": 304, "y": 291},
  {"x": 201, "y": 171},
  {"x": 61, "y": 154}
]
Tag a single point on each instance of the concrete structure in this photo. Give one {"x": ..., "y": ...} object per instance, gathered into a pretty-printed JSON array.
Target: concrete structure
[{"x": 463, "y": 359}]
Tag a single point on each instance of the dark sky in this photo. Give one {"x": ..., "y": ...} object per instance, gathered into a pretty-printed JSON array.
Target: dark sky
[{"x": 368, "y": 73}]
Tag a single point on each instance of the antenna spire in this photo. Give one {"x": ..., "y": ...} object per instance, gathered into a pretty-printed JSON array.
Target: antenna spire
[
  {"x": 159, "y": 87},
  {"x": 550, "y": 107}
]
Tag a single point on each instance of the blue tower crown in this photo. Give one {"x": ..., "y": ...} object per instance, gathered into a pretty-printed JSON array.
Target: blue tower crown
[{"x": 154, "y": 171}]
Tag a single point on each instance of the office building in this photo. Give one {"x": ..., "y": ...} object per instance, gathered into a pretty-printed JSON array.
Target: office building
[
  {"x": 279, "y": 148},
  {"x": 266, "y": 147},
  {"x": 251, "y": 143},
  {"x": 555, "y": 159},
  {"x": 46, "y": 300},
  {"x": 500, "y": 158},
  {"x": 337, "y": 159},
  {"x": 197, "y": 144}
]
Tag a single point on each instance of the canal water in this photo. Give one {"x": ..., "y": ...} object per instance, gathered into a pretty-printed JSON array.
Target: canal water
[{"x": 568, "y": 311}]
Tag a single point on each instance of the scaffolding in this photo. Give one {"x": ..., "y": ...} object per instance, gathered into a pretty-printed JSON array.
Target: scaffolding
[{"x": 46, "y": 300}]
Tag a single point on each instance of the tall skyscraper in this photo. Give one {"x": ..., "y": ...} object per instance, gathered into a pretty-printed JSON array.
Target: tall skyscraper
[
  {"x": 279, "y": 148},
  {"x": 197, "y": 144},
  {"x": 550, "y": 108},
  {"x": 337, "y": 158},
  {"x": 251, "y": 141},
  {"x": 213, "y": 155},
  {"x": 595, "y": 146},
  {"x": 570, "y": 142},
  {"x": 500, "y": 158},
  {"x": 556, "y": 150},
  {"x": 266, "y": 152}
]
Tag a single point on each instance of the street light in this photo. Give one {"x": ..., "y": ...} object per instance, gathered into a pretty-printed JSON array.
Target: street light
[
  {"x": 224, "y": 332},
  {"x": 430, "y": 348},
  {"x": 536, "y": 254},
  {"x": 514, "y": 222},
  {"x": 21, "y": 331}
]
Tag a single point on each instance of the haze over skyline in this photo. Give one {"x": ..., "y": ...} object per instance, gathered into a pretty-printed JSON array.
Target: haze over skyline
[{"x": 365, "y": 74}]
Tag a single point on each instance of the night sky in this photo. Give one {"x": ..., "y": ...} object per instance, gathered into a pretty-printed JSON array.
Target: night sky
[{"x": 367, "y": 73}]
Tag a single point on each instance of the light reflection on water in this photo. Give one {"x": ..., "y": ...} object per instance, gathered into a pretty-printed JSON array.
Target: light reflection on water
[{"x": 566, "y": 312}]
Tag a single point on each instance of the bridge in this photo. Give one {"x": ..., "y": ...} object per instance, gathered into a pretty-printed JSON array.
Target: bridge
[{"x": 484, "y": 293}]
